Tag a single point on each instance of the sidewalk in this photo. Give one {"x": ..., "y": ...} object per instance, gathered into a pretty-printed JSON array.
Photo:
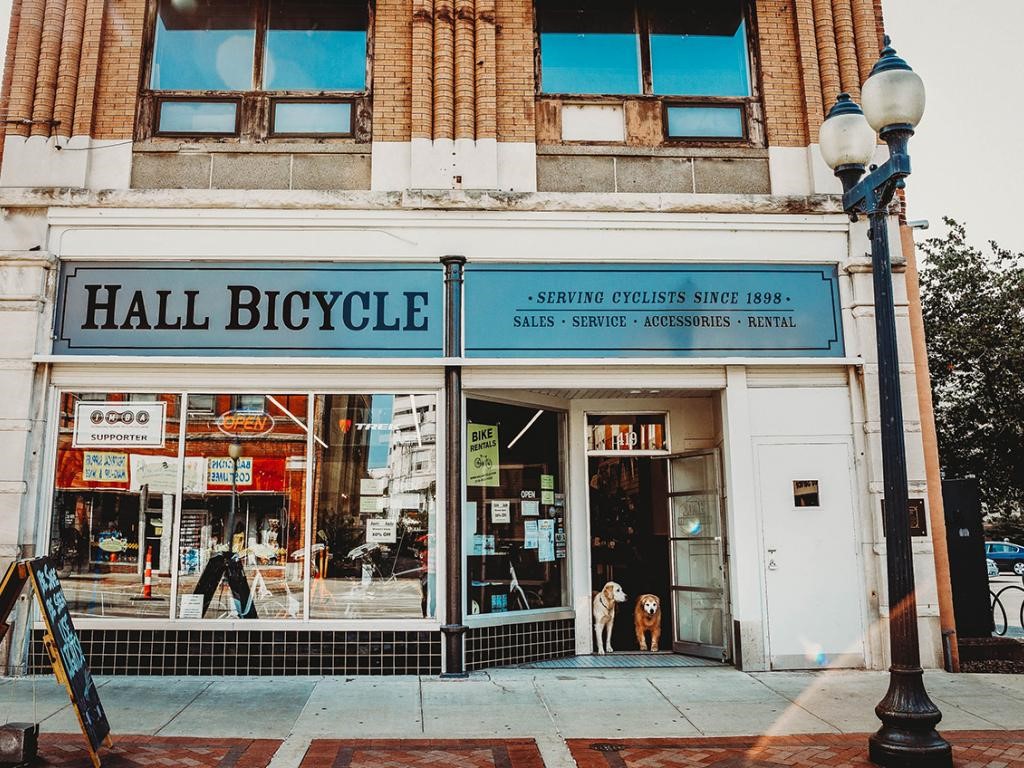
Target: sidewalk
[{"x": 549, "y": 706}]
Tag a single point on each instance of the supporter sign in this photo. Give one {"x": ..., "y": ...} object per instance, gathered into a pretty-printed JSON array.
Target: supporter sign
[{"x": 119, "y": 425}]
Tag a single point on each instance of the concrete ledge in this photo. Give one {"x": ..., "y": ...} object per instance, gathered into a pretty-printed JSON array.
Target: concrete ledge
[
  {"x": 454, "y": 200},
  {"x": 624, "y": 151}
]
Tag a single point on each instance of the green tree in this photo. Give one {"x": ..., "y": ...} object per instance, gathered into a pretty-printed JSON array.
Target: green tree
[{"x": 973, "y": 304}]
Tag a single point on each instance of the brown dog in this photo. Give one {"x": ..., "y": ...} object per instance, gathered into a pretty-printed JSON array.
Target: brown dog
[{"x": 647, "y": 618}]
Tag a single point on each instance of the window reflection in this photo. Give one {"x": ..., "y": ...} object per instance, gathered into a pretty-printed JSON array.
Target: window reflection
[
  {"x": 514, "y": 523},
  {"x": 256, "y": 498},
  {"x": 316, "y": 45},
  {"x": 699, "y": 49},
  {"x": 204, "y": 45},
  {"x": 114, "y": 501},
  {"x": 588, "y": 47},
  {"x": 373, "y": 520}
]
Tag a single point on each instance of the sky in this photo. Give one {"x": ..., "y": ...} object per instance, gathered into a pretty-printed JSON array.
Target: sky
[{"x": 967, "y": 52}]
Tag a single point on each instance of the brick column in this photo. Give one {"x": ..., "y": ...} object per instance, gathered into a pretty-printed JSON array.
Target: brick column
[
  {"x": 849, "y": 75},
  {"x": 486, "y": 81},
  {"x": 814, "y": 102},
  {"x": 866, "y": 31},
  {"x": 88, "y": 69},
  {"x": 46, "y": 76},
  {"x": 26, "y": 65},
  {"x": 465, "y": 76},
  {"x": 422, "y": 69},
  {"x": 444, "y": 70},
  {"x": 67, "y": 73},
  {"x": 828, "y": 54}
]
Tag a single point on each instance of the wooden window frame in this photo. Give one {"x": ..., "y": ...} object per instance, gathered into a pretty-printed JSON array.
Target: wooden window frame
[
  {"x": 742, "y": 106},
  {"x": 254, "y": 113},
  {"x": 751, "y": 105},
  {"x": 161, "y": 100},
  {"x": 272, "y": 117}
]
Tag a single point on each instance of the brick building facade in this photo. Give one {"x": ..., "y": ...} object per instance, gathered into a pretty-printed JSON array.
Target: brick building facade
[{"x": 155, "y": 139}]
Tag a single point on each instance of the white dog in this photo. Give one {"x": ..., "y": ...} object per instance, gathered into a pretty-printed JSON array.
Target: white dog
[{"x": 604, "y": 614}]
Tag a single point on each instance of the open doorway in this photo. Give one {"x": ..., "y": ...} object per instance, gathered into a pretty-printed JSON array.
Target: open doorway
[{"x": 630, "y": 538}]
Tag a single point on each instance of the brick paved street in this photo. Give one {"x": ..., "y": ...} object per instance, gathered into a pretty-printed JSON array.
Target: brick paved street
[
  {"x": 971, "y": 749},
  {"x": 69, "y": 751},
  {"x": 423, "y": 753}
]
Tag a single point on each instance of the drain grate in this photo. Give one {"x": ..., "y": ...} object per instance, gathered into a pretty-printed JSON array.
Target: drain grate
[{"x": 603, "y": 746}]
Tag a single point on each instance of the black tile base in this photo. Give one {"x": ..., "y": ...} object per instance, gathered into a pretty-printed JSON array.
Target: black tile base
[
  {"x": 519, "y": 643},
  {"x": 243, "y": 652}
]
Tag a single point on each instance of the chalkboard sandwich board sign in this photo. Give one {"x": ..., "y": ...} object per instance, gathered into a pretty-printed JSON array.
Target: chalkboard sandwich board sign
[{"x": 62, "y": 643}]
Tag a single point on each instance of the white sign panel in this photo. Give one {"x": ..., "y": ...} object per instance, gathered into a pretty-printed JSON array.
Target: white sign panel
[
  {"x": 119, "y": 425},
  {"x": 372, "y": 486},
  {"x": 191, "y": 607},
  {"x": 219, "y": 469},
  {"x": 160, "y": 474},
  {"x": 381, "y": 531},
  {"x": 501, "y": 511},
  {"x": 104, "y": 467}
]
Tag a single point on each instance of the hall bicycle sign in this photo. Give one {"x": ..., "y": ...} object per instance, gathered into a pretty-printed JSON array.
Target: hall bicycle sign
[{"x": 62, "y": 644}]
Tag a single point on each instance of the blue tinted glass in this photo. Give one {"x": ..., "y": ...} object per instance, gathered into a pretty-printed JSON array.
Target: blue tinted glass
[
  {"x": 312, "y": 117},
  {"x": 204, "y": 45},
  {"x": 588, "y": 47},
  {"x": 314, "y": 45},
  {"x": 700, "y": 49},
  {"x": 197, "y": 117},
  {"x": 706, "y": 122}
]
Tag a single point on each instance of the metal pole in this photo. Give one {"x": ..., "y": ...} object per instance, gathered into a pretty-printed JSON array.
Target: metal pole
[
  {"x": 229, "y": 531},
  {"x": 454, "y": 630},
  {"x": 907, "y": 736}
]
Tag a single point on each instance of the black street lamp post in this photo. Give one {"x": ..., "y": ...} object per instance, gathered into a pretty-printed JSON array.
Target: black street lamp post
[
  {"x": 893, "y": 99},
  {"x": 235, "y": 453}
]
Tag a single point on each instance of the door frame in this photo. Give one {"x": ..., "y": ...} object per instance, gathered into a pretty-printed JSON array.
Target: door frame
[{"x": 723, "y": 653}]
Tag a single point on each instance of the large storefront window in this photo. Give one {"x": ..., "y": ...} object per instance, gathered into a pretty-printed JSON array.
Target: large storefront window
[
  {"x": 515, "y": 536},
  {"x": 375, "y": 468},
  {"x": 244, "y": 480},
  {"x": 114, "y": 497},
  {"x": 223, "y": 513}
]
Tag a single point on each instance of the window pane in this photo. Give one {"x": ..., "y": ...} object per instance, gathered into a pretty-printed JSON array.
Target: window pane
[
  {"x": 197, "y": 117},
  {"x": 707, "y": 122},
  {"x": 255, "y": 505},
  {"x": 514, "y": 524},
  {"x": 699, "y": 48},
  {"x": 316, "y": 45},
  {"x": 374, "y": 515},
  {"x": 113, "y": 502},
  {"x": 315, "y": 117},
  {"x": 204, "y": 45},
  {"x": 588, "y": 47}
]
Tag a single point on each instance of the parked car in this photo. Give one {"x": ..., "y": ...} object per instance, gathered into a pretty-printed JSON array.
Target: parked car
[
  {"x": 1007, "y": 556},
  {"x": 993, "y": 569}
]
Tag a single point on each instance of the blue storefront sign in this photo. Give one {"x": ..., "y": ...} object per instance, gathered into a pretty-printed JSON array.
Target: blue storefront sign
[
  {"x": 652, "y": 310},
  {"x": 247, "y": 309}
]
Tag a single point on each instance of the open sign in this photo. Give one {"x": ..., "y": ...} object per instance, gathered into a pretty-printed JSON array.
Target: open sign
[{"x": 245, "y": 423}]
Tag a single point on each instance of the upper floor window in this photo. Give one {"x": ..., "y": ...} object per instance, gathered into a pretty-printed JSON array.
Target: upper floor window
[
  {"x": 661, "y": 47},
  {"x": 287, "y": 64}
]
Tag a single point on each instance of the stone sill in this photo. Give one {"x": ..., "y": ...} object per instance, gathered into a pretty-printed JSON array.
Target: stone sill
[
  {"x": 422, "y": 199},
  {"x": 621, "y": 150},
  {"x": 277, "y": 147}
]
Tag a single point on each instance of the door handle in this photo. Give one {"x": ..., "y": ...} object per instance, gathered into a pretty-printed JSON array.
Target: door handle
[{"x": 772, "y": 565}]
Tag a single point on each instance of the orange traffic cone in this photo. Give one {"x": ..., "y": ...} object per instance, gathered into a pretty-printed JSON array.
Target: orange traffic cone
[{"x": 147, "y": 577}]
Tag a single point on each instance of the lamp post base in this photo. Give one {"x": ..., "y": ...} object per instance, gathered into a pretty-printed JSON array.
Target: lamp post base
[{"x": 907, "y": 738}]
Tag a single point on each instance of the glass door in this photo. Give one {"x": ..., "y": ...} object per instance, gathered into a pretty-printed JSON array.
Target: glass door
[{"x": 697, "y": 542}]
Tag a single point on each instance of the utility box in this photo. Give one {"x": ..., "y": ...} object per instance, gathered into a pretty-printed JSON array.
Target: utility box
[{"x": 965, "y": 540}]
